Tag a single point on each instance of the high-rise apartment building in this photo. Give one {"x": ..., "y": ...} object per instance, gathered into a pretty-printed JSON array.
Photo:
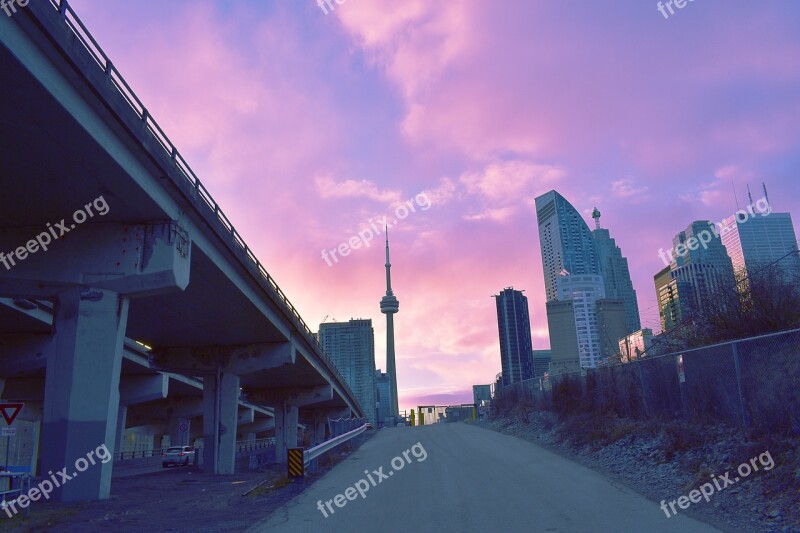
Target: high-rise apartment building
[
  {"x": 351, "y": 347},
  {"x": 583, "y": 291},
  {"x": 514, "y": 325}
]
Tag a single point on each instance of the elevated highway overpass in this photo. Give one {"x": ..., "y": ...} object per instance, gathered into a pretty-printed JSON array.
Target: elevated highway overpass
[{"x": 102, "y": 217}]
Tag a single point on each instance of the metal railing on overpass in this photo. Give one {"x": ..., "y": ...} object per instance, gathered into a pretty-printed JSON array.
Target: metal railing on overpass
[{"x": 93, "y": 47}]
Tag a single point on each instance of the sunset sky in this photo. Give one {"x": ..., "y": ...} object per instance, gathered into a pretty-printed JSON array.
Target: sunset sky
[{"x": 310, "y": 127}]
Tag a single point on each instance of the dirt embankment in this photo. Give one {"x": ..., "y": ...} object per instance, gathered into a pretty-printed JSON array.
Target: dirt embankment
[{"x": 665, "y": 461}]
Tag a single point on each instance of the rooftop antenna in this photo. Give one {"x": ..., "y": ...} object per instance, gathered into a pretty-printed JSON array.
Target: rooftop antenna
[
  {"x": 734, "y": 195},
  {"x": 763, "y": 185},
  {"x": 750, "y": 196},
  {"x": 596, "y": 217}
]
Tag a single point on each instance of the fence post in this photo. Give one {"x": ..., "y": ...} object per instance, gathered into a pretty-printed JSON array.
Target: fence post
[
  {"x": 583, "y": 377},
  {"x": 682, "y": 385},
  {"x": 644, "y": 389},
  {"x": 742, "y": 405}
]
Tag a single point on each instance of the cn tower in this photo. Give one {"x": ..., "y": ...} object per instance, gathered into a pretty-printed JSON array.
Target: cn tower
[{"x": 389, "y": 306}]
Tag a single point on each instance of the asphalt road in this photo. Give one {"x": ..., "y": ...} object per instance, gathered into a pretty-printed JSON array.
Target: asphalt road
[{"x": 467, "y": 479}]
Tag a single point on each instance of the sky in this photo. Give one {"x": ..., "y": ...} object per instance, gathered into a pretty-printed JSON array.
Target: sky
[{"x": 448, "y": 118}]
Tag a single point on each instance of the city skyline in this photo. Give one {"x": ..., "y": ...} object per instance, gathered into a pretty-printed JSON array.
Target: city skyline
[{"x": 313, "y": 125}]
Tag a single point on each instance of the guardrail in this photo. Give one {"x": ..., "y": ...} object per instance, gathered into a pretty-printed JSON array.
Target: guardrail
[
  {"x": 312, "y": 453},
  {"x": 93, "y": 47},
  {"x": 24, "y": 485}
]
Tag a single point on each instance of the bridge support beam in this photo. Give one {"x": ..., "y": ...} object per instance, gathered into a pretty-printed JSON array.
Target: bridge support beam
[
  {"x": 140, "y": 389},
  {"x": 81, "y": 399},
  {"x": 259, "y": 426}
]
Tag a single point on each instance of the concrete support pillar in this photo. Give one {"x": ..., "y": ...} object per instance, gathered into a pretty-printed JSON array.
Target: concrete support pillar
[
  {"x": 286, "y": 417},
  {"x": 150, "y": 442},
  {"x": 37, "y": 433},
  {"x": 122, "y": 416},
  {"x": 82, "y": 389},
  {"x": 280, "y": 434},
  {"x": 179, "y": 429},
  {"x": 319, "y": 432},
  {"x": 292, "y": 417},
  {"x": 220, "y": 415}
]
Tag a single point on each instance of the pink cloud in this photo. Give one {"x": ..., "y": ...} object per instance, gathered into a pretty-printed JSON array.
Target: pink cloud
[
  {"x": 328, "y": 188},
  {"x": 307, "y": 127}
]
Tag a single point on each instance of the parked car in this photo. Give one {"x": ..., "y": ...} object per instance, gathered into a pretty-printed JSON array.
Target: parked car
[{"x": 178, "y": 455}]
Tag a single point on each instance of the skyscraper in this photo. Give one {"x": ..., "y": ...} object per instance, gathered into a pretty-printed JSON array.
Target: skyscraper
[
  {"x": 584, "y": 322},
  {"x": 351, "y": 347},
  {"x": 514, "y": 325},
  {"x": 753, "y": 242},
  {"x": 390, "y": 306},
  {"x": 383, "y": 396},
  {"x": 674, "y": 298},
  {"x": 616, "y": 276},
  {"x": 565, "y": 241},
  {"x": 690, "y": 281}
]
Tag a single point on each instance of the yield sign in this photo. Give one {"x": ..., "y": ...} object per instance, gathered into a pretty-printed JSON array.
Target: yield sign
[{"x": 15, "y": 408}]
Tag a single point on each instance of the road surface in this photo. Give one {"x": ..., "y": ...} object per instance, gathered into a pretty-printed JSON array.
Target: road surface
[{"x": 467, "y": 479}]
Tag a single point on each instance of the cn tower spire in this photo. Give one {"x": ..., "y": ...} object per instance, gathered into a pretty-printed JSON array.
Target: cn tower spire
[
  {"x": 390, "y": 306},
  {"x": 388, "y": 266}
]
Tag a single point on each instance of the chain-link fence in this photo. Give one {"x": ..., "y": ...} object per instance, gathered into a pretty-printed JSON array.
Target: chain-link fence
[{"x": 754, "y": 383}]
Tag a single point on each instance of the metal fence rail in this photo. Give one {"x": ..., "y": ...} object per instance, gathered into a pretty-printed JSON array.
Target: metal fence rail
[
  {"x": 74, "y": 23},
  {"x": 255, "y": 444},
  {"x": 312, "y": 453},
  {"x": 241, "y": 446},
  {"x": 24, "y": 486},
  {"x": 752, "y": 383}
]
